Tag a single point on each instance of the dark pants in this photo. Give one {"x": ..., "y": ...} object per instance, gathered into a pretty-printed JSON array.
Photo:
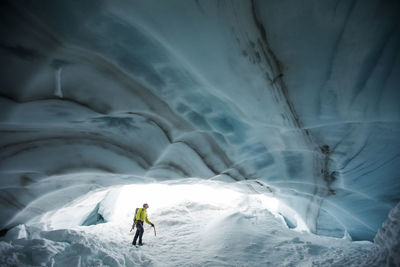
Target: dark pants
[{"x": 139, "y": 232}]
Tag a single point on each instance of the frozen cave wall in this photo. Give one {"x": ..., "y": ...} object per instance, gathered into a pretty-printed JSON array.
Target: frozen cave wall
[{"x": 302, "y": 96}]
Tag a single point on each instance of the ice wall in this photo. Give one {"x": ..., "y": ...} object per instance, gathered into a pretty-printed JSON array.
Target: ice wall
[
  {"x": 387, "y": 239},
  {"x": 302, "y": 97}
]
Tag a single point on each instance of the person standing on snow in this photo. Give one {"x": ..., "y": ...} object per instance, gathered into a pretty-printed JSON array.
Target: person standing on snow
[{"x": 141, "y": 217}]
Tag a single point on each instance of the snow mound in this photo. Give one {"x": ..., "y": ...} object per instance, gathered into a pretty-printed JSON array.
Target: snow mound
[{"x": 192, "y": 230}]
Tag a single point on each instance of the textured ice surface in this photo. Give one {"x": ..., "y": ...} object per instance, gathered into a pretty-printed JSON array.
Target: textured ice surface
[
  {"x": 388, "y": 241},
  {"x": 301, "y": 97}
]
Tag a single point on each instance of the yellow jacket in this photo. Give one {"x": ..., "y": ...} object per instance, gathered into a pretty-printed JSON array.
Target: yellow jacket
[{"x": 141, "y": 215}]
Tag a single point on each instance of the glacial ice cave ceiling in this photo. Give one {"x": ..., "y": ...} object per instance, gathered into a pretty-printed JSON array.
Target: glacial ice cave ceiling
[{"x": 302, "y": 96}]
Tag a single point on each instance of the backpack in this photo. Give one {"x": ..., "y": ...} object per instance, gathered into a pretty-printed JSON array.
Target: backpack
[{"x": 134, "y": 218}]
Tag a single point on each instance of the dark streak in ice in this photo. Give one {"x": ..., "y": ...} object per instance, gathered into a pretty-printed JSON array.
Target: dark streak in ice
[
  {"x": 49, "y": 98},
  {"x": 104, "y": 143},
  {"x": 20, "y": 51},
  {"x": 369, "y": 67},
  {"x": 156, "y": 122},
  {"x": 67, "y": 167},
  {"x": 380, "y": 166},
  {"x": 173, "y": 167},
  {"x": 202, "y": 157},
  {"x": 8, "y": 199},
  {"x": 335, "y": 50}
]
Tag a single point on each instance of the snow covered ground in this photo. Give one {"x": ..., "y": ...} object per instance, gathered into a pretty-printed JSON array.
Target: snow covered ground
[{"x": 198, "y": 222}]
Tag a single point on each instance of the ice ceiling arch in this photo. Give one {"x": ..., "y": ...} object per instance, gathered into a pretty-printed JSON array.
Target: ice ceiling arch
[{"x": 302, "y": 98}]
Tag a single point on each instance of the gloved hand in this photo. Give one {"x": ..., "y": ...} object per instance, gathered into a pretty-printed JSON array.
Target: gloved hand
[{"x": 152, "y": 225}]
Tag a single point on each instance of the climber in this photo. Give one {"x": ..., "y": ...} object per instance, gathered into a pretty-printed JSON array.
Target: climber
[{"x": 141, "y": 217}]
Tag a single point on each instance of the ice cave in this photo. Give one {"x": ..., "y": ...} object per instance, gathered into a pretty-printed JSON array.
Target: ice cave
[{"x": 260, "y": 132}]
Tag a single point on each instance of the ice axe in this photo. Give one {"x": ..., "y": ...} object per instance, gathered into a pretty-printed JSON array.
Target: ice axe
[
  {"x": 133, "y": 227},
  {"x": 154, "y": 228}
]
